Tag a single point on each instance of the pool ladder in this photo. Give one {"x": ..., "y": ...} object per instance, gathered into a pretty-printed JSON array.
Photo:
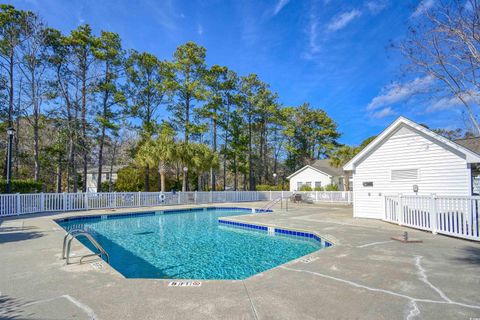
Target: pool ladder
[
  {"x": 273, "y": 202},
  {"x": 74, "y": 233}
]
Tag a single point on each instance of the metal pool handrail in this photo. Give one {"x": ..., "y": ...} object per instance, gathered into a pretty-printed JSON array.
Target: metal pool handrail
[{"x": 74, "y": 233}]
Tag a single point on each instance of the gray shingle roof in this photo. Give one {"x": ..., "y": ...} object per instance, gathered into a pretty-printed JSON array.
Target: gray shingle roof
[
  {"x": 472, "y": 144},
  {"x": 325, "y": 166}
]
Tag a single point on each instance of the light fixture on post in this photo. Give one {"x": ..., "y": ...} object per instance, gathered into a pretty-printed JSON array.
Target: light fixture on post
[
  {"x": 10, "y": 133},
  {"x": 185, "y": 177},
  {"x": 275, "y": 178}
]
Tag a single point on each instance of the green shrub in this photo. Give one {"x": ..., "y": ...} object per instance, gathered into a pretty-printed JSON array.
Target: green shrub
[
  {"x": 319, "y": 189},
  {"x": 22, "y": 186},
  {"x": 305, "y": 188},
  {"x": 266, "y": 187},
  {"x": 331, "y": 187}
]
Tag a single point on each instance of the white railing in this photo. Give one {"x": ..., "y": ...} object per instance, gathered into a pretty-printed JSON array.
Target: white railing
[
  {"x": 16, "y": 204},
  {"x": 315, "y": 196},
  {"x": 451, "y": 215}
]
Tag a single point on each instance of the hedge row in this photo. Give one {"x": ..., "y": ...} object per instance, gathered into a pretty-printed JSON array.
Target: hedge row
[{"x": 21, "y": 186}]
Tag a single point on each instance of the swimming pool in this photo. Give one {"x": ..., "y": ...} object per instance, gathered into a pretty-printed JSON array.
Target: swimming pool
[{"x": 192, "y": 244}]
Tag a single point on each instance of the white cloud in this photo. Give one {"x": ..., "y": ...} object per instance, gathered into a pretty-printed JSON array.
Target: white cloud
[
  {"x": 313, "y": 35},
  {"x": 200, "y": 29},
  {"x": 376, "y": 6},
  {"x": 385, "y": 112},
  {"x": 423, "y": 7},
  {"x": 452, "y": 102},
  {"x": 279, "y": 6},
  {"x": 342, "y": 20},
  {"x": 397, "y": 92}
]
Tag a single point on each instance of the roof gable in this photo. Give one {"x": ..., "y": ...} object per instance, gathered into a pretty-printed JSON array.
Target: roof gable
[{"x": 396, "y": 128}]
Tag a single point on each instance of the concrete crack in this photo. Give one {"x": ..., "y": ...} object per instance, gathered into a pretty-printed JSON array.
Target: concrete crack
[
  {"x": 414, "y": 311},
  {"x": 424, "y": 279},
  {"x": 251, "y": 302},
  {"x": 396, "y": 294}
]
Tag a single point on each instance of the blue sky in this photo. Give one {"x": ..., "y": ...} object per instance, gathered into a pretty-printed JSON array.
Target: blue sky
[{"x": 331, "y": 53}]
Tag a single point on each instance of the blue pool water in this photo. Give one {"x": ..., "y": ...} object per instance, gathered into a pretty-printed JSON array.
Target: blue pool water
[{"x": 189, "y": 245}]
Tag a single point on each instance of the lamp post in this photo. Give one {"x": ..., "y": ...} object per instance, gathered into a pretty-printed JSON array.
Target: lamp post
[
  {"x": 185, "y": 177},
  {"x": 275, "y": 178},
  {"x": 11, "y": 133}
]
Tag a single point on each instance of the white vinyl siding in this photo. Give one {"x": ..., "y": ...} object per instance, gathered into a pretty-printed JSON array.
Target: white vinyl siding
[
  {"x": 438, "y": 170},
  {"x": 309, "y": 175}
]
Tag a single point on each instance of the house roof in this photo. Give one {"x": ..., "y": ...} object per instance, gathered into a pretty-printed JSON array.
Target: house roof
[
  {"x": 472, "y": 144},
  {"x": 470, "y": 155},
  {"x": 322, "y": 166},
  {"x": 325, "y": 166}
]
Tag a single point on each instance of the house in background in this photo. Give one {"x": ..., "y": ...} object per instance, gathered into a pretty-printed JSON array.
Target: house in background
[
  {"x": 408, "y": 158},
  {"x": 317, "y": 174},
  {"x": 108, "y": 174}
]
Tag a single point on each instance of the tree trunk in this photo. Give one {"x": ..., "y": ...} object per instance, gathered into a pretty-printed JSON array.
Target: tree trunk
[
  {"x": 212, "y": 171},
  {"x": 184, "y": 181},
  {"x": 59, "y": 174},
  {"x": 250, "y": 163},
  {"x": 84, "y": 126},
  {"x": 102, "y": 136},
  {"x": 10, "y": 104},
  {"x": 235, "y": 178},
  {"x": 161, "y": 171},
  {"x": 114, "y": 156},
  {"x": 146, "y": 182},
  {"x": 36, "y": 124},
  {"x": 199, "y": 182}
]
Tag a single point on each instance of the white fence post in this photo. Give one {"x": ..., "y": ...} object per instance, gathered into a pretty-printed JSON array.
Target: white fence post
[
  {"x": 42, "y": 201},
  {"x": 85, "y": 200},
  {"x": 195, "y": 197},
  {"x": 400, "y": 209},
  {"x": 65, "y": 205},
  {"x": 433, "y": 214},
  {"x": 19, "y": 209}
]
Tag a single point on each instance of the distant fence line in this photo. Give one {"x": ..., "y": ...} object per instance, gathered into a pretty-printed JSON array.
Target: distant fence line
[
  {"x": 456, "y": 216},
  {"x": 18, "y": 204}
]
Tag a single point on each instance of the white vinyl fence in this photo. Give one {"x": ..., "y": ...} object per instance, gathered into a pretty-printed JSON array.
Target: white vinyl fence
[
  {"x": 17, "y": 204},
  {"x": 451, "y": 215}
]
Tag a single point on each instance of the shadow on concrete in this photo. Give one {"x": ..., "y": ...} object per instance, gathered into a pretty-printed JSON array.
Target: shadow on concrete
[
  {"x": 19, "y": 236},
  {"x": 470, "y": 255},
  {"x": 13, "y": 309}
]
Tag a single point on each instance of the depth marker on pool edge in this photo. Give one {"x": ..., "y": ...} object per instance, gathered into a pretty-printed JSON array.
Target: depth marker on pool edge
[{"x": 185, "y": 284}]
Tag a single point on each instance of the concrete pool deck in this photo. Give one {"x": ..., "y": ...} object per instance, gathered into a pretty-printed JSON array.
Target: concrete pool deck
[{"x": 365, "y": 275}]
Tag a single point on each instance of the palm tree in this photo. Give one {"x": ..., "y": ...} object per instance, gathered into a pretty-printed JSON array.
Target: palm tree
[
  {"x": 203, "y": 160},
  {"x": 159, "y": 152}
]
